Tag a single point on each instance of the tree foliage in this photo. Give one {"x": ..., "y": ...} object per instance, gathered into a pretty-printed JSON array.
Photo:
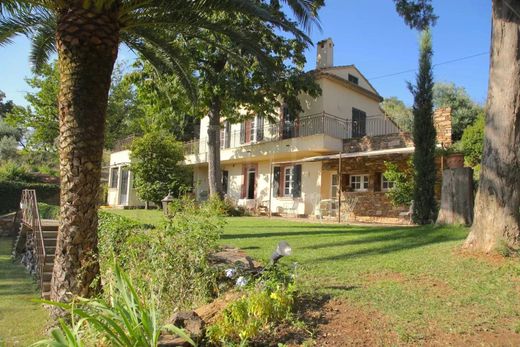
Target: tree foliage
[
  {"x": 41, "y": 117},
  {"x": 473, "y": 142},
  {"x": 404, "y": 183},
  {"x": 464, "y": 111},
  {"x": 162, "y": 103},
  {"x": 157, "y": 164},
  {"x": 5, "y": 106},
  {"x": 398, "y": 112},
  {"x": 425, "y": 206},
  {"x": 39, "y": 121},
  {"x": 418, "y": 14}
]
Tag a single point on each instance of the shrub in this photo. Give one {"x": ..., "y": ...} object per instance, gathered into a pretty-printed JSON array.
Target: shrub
[
  {"x": 402, "y": 192},
  {"x": 267, "y": 301},
  {"x": 11, "y": 192},
  {"x": 156, "y": 162},
  {"x": 170, "y": 261},
  {"x": 48, "y": 211},
  {"x": 8, "y": 148},
  {"x": 11, "y": 171},
  {"x": 122, "y": 320},
  {"x": 232, "y": 210},
  {"x": 473, "y": 142}
]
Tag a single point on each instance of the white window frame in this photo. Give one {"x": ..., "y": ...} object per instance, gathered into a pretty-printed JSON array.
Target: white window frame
[
  {"x": 223, "y": 137},
  {"x": 288, "y": 190},
  {"x": 252, "y": 131},
  {"x": 112, "y": 184},
  {"x": 363, "y": 178},
  {"x": 389, "y": 184},
  {"x": 334, "y": 186}
]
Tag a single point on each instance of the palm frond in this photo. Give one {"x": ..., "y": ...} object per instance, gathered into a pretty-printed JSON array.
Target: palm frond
[
  {"x": 305, "y": 12},
  {"x": 161, "y": 55},
  {"x": 43, "y": 43}
]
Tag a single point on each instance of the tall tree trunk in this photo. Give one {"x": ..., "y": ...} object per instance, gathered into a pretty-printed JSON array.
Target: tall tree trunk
[
  {"x": 87, "y": 43},
  {"x": 497, "y": 215},
  {"x": 214, "y": 169}
]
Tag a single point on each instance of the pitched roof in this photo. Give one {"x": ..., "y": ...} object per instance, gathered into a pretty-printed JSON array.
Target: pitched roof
[{"x": 346, "y": 83}]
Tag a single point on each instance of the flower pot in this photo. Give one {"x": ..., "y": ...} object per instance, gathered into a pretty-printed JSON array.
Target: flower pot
[{"x": 455, "y": 161}]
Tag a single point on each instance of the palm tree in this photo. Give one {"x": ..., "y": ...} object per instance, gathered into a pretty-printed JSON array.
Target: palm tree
[{"x": 86, "y": 35}]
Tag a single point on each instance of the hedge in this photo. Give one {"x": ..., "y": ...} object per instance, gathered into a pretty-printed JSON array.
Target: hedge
[{"x": 11, "y": 193}]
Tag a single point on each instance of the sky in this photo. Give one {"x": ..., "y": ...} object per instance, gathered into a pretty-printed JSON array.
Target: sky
[{"x": 366, "y": 33}]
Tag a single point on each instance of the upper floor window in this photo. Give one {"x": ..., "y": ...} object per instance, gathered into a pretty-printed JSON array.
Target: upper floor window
[
  {"x": 289, "y": 123},
  {"x": 353, "y": 79},
  {"x": 252, "y": 130},
  {"x": 359, "y": 123},
  {"x": 114, "y": 176},
  {"x": 225, "y": 135},
  {"x": 359, "y": 183}
]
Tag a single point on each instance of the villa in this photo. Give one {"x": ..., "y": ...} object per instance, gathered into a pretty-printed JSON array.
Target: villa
[{"x": 329, "y": 158}]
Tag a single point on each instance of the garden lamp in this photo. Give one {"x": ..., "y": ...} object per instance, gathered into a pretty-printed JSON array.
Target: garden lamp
[
  {"x": 166, "y": 202},
  {"x": 282, "y": 249}
]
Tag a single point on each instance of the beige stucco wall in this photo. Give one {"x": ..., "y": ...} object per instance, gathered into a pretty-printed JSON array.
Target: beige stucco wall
[
  {"x": 311, "y": 185},
  {"x": 121, "y": 159},
  {"x": 339, "y": 103},
  {"x": 325, "y": 183},
  {"x": 343, "y": 72}
]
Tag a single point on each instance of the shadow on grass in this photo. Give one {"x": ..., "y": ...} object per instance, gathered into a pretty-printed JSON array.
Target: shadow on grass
[
  {"x": 325, "y": 231},
  {"x": 399, "y": 244}
]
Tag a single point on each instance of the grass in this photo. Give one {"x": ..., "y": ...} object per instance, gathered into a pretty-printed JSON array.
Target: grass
[
  {"x": 21, "y": 320},
  {"x": 416, "y": 277}
]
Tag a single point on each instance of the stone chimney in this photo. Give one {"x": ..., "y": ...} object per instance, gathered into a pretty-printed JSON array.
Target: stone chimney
[
  {"x": 325, "y": 54},
  {"x": 442, "y": 123}
]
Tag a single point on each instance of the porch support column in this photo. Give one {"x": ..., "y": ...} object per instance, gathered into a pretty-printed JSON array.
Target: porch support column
[
  {"x": 270, "y": 185},
  {"x": 339, "y": 188}
]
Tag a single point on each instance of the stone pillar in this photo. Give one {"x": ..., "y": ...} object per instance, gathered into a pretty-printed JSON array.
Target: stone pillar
[
  {"x": 442, "y": 123},
  {"x": 456, "y": 197}
]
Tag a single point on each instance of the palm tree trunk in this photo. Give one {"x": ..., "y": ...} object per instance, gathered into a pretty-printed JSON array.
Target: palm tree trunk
[
  {"x": 87, "y": 43},
  {"x": 497, "y": 214},
  {"x": 214, "y": 169}
]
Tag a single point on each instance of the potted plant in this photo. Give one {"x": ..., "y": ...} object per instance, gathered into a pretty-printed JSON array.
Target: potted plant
[{"x": 454, "y": 156}]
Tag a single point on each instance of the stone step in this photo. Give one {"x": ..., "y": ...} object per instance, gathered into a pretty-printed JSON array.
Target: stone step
[
  {"x": 46, "y": 295},
  {"x": 49, "y": 224},
  {"x": 47, "y": 275},
  {"x": 50, "y": 249},
  {"x": 50, "y": 234},
  {"x": 49, "y": 242},
  {"x": 48, "y": 267},
  {"x": 46, "y": 287}
]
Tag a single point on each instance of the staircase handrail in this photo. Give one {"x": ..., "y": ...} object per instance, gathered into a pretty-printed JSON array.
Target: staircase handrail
[{"x": 31, "y": 218}]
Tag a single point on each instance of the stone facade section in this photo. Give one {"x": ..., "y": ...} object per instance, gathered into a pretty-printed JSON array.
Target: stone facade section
[
  {"x": 374, "y": 205},
  {"x": 442, "y": 122},
  {"x": 375, "y": 143}
]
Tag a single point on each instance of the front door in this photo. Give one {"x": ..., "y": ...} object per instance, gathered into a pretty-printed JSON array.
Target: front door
[{"x": 123, "y": 189}]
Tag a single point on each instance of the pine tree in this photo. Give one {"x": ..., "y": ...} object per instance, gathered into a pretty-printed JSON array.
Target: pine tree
[{"x": 425, "y": 206}]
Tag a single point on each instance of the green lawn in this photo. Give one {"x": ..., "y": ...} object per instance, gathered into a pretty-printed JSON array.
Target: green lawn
[
  {"x": 416, "y": 277},
  {"x": 21, "y": 321}
]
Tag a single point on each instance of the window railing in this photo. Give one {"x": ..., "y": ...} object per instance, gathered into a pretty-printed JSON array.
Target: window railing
[{"x": 322, "y": 123}]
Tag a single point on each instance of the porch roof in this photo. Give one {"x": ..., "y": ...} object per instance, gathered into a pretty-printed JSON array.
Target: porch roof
[{"x": 402, "y": 150}]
